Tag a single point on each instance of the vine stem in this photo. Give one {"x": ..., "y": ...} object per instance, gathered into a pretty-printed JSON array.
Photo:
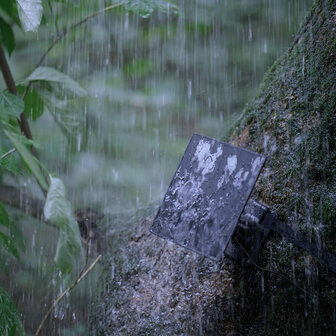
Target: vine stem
[
  {"x": 63, "y": 34},
  {"x": 271, "y": 271},
  {"x": 78, "y": 279}
]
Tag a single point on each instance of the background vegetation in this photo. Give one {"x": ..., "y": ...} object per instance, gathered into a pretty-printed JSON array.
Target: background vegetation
[{"x": 146, "y": 84}]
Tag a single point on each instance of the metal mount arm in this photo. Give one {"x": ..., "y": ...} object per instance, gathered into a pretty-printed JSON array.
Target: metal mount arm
[{"x": 254, "y": 226}]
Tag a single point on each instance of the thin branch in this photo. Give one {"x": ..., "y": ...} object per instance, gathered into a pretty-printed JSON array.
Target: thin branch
[
  {"x": 8, "y": 153},
  {"x": 62, "y": 35},
  {"x": 10, "y": 83},
  {"x": 79, "y": 278}
]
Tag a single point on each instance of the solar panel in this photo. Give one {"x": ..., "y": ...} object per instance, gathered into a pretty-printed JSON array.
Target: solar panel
[{"x": 207, "y": 195}]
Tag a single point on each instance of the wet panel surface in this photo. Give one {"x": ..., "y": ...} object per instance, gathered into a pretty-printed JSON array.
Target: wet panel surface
[{"x": 207, "y": 195}]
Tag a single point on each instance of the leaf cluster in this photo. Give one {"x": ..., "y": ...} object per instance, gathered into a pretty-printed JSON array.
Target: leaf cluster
[
  {"x": 9, "y": 318},
  {"x": 45, "y": 90},
  {"x": 27, "y": 14},
  {"x": 145, "y": 8},
  {"x": 17, "y": 156},
  {"x": 10, "y": 323}
]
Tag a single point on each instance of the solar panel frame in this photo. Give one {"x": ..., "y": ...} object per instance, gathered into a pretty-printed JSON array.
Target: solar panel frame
[{"x": 207, "y": 195}]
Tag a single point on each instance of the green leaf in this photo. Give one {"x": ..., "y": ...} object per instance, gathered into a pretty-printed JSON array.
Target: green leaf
[
  {"x": 30, "y": 13},
  {"x": 33, "y": 103},
  {"x": 138, "y": 68},
  {"x": 142, "y": 8},
  {"x": 31, "y": 162},
  {"x": 7, "y": 36},
  {"x": 4, "y": 219},
  {"x": 66, "y": 252},
  {"x": 58, "y": 211},
  {"x": 10, "y": 105},
  {"x": 10, "y": 162},
  {"x": 8, "y": 244},
  {"x": 54, "y": 76},
  {"x": 57, "y": 208},
  {"x": 69, "y": 116},
  {"x": 15, "y": 238},
  {"x": 16, "y": 235},
  {"x": 9, "y": 317},
  {"x": 5, "y": 263},
  {"x": 9, "y": 7}
]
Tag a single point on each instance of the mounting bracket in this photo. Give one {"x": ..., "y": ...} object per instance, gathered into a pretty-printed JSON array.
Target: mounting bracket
[{"x": 207, "y": 203}]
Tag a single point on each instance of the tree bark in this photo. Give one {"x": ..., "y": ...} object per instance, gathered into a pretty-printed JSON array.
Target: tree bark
[{"x": 293, "y": 123}]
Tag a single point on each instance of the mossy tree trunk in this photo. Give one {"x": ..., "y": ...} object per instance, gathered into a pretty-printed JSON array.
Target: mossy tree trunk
[{"x": 293, "y": 122}]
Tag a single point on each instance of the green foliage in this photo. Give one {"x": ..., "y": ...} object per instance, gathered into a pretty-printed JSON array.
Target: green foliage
[
  {"x": 10, "y": 105},
  {"x": 9, "y": 163},
  {"x": 138, "y": 68},
  {"x": 7, "y": 241},
  {"x": 8, "y": 244},
  {"x": 7, "y": 36},
  {"x": 32, "y": 164},
  {"x": 33, "y": 103},
  {"x": 53, "y": 85},
  {"x": 57, "y": 210},
  {"x": 10, "y": 323},
  {"x": 4, "y": 219},
  {"x": 54, "y": 91},
  {"x": 9, "y": 7},
  {"x": 145, "y": 8},
  {"x": 50, "y": 75},
  {"x": 30, "y": 13},
  {"x": 16, "y": 235}
]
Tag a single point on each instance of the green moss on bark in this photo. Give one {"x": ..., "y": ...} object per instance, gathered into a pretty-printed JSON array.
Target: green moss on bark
[{"x": 293, "y": 122}]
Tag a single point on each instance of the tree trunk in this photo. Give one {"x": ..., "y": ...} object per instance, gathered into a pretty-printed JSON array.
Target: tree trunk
[
  {"x": 293, "y": 122},
  {"x": 156, "y": 288}
]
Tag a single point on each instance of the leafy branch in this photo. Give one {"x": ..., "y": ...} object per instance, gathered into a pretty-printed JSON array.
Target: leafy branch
[
  {"x": 144, "y": 8},
  {"x": 14, "y": 114},
  {"x": 10, "y": 83},
  {"x": 63, "y": 34}
]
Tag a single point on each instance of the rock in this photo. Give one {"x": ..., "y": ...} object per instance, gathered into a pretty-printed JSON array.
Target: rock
[{"x": 156, "y": 287}]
